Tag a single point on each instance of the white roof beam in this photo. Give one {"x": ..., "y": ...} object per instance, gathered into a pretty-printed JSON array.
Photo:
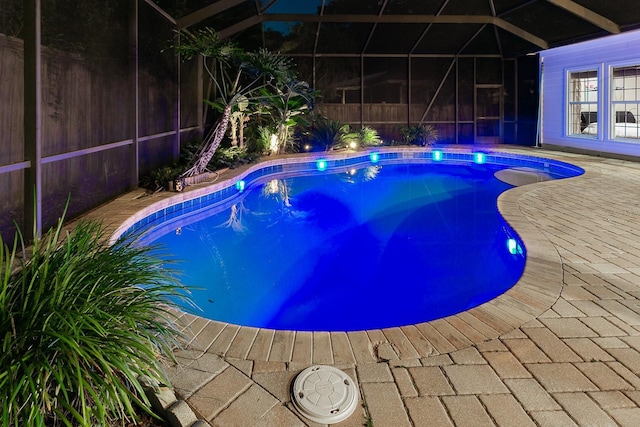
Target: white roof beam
[
  {"x": 414, "y": 19},
  {"x": 541, "y": 43},
  {"x": 587, "y": 15},
  {"x": 382, "y": 19},
  {"x": 242, "y": 25}
]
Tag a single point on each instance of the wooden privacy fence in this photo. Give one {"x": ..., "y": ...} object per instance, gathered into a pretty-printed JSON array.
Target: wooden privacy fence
[{"x": 91, "y": 123}]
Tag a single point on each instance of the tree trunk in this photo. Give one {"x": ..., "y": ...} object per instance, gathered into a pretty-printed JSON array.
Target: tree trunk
[{"x": 211, "y": 144}]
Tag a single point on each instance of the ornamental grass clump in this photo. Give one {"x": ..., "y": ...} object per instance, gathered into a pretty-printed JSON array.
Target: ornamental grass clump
[{"x": 81, "y": 323}]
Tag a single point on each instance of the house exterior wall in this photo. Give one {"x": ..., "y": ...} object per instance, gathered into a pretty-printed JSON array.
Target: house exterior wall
[{"x": 601, "y": 55}]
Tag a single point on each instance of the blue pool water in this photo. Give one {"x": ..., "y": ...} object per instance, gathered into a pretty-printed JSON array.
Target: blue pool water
[{"x": 366, "y": 246}]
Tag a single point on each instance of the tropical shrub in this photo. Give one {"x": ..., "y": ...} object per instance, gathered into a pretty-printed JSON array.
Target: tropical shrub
[
  {"x": 368, "y": 136},
  {"x": 338, "y": 136},
  {"x": 81, "y": 322},
  {"x": 231, "y": 157},
  {"x": 240, "y": 77},
  {"x": 261, "y": 139},
  {"x": 422, "y": 135},
  {"x": 158, "y": 178},
  {"x": 325, "y": 134},
  {"x": 286, "y": 108}
]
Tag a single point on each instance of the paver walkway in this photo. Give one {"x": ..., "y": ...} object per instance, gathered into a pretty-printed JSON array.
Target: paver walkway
[{"x": 561, "y": 349}]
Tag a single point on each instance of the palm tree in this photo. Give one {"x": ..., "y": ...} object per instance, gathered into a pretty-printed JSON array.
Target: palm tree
[
  {"x": 287, "y": 105},
  {"x": 238, "y": 76}
]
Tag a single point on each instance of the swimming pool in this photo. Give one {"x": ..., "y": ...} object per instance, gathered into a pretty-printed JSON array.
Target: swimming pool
[{"x": 338, "y": 244}]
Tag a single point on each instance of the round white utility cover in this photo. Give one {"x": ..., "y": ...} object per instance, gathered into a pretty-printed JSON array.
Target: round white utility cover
[{"x": 324, "y": 394}]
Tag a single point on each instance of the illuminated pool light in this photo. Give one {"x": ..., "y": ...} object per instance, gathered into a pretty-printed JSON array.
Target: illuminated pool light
[
  {"x": 321, "y": 165},
  {"x": 514, "y": 247},
  {"x": 479, "y": 158},
  {"x": 374, "y": 157},
  {"x": 436, "y": 155},
  {"x": 240, "y": 186}
]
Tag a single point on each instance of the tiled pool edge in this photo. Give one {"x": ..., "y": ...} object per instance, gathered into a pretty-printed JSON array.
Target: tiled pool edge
[
  {"x": 536, "y": 291},
  {"x": 226, "y": 190}
]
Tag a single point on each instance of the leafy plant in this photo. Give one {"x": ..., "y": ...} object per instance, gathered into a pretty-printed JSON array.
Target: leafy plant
[
  {"x": 369, "y": 137},
  {"x": 347, "y": 137},
  {"x": 188, "y": 151},
  {"x": 286, "y": 107},
  {"x": 261, "y": 139},
  {"x": 325, "y": 134},
  {"x": 231, "y": 157},
  {"x": 419, "y": 135},
  {"x": 238, "y": 78},
  {"x": 158, "y": 178},
  {"x": 341, "y": 136},
  {"x": 81, "y": 321}
]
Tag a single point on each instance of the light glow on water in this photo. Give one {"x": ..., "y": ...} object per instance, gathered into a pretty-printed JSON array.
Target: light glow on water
[{"x": 410, "y": 243}]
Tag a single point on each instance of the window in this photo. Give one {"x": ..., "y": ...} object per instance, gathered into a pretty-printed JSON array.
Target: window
[
  {"x": 625, "y": 102},
  {"x": 583, "y": 103}
]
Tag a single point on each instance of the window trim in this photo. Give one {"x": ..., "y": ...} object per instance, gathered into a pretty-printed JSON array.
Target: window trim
[
  {"x": 611, "y": 133},
  {"x": 568, "y": 103}
]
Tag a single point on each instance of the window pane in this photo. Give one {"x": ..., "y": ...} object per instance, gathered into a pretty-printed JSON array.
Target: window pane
[
  {"x": 625, "y": 100},
  {"x": 583, "y": 103}
]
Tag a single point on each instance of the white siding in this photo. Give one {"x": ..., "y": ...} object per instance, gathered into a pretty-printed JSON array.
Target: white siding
[{"x": 598, "y": 54}]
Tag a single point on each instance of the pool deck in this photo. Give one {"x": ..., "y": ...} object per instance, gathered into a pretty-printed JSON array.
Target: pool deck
[{"x": 561, "y": 348}]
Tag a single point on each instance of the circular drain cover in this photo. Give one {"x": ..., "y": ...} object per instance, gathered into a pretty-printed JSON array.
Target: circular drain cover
[{"x": 324, "y": 394}]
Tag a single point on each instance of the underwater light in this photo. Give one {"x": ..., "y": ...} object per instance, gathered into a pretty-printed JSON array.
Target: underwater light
[
  {"x": 479, "y": 158},
  {"x": 374, "y": 157},
  {"x": 436, "y": 155},
  {"x": 512, "y": 244},
  {"x": 321, "y": 165},
  {"x": 240, "y": 186}
]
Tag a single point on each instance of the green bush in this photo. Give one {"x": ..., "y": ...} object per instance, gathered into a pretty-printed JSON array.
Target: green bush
[
  {"x": 369, "y": 137},
  {"x": 419, "y": 135},
  {"x": 261, "y": 139},
  {"x": 325, "y": 134},
  {"x": 81, "y": 322},
  {"x": 232, "y": 157},
  {"x": 158, "y": 178}
]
